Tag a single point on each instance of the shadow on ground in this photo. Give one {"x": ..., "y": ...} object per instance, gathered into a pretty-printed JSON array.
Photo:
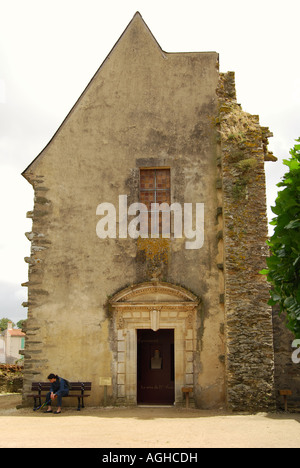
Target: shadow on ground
[{"x": 9, "y": 404}]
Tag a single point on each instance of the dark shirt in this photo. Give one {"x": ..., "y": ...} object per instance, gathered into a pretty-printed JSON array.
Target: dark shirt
[{"x": 59, "y": 385}]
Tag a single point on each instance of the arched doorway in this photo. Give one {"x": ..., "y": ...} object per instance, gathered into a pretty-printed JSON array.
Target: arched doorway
[{"x": 138, "y": 313}]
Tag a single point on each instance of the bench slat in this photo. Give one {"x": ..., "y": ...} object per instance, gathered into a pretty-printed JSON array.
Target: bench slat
[
  {"x": 66, "y": 396},
  {"x": 81, "y": 385},
  {"x": 45, "y": 386}
]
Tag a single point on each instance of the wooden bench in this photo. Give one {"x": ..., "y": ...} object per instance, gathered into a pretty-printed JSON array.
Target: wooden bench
[
  {"x": 77, "y": 390},
  {"x": 187, "y": 391},
  {"x": 285, "y": 394}
]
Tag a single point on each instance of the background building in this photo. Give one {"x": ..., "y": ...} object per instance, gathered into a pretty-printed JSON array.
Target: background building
[{"x": 12, "y": 341}]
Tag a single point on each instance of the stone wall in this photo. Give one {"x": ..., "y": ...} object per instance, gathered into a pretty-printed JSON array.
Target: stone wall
[
  {"x": 249, "y": 340},
  {"x": 11, "y": 378},
  {"x": 287, "y": 372}
]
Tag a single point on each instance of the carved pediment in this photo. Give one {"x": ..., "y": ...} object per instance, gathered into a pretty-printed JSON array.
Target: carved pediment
[{"x": 154, "y": 293}]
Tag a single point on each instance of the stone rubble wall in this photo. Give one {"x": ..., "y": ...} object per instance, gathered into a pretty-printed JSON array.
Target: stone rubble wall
[
  {"x": 249, "y": 335},
  {"x": 11, "y": 378},
  {"x": 287, "y": 372}
]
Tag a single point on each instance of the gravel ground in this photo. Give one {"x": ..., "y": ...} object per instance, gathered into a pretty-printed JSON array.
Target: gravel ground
[{"x": 141, "y": 427}]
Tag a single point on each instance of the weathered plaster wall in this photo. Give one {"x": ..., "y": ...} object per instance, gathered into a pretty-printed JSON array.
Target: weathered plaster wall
[{"x": 143, "y": 108}]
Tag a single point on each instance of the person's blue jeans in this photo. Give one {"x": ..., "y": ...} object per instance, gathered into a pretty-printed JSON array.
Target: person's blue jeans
[{"x": 60, "y": 394}]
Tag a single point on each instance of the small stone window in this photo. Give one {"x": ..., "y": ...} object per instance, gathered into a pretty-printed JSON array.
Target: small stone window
[{"x": 155, "y": 187}]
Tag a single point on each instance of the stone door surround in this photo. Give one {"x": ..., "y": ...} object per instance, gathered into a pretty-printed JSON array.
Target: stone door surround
[{"x": 153, "y": 305}]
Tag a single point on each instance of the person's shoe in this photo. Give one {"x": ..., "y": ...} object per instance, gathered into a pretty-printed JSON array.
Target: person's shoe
[
  {"x": 57, "y": 412},
  {"x": 48, "y": 411}
]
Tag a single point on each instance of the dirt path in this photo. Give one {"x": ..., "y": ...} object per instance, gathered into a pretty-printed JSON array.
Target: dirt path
[{"x": 143, "y": 427}]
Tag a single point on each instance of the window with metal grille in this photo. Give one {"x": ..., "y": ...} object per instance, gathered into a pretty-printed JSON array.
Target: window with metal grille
[{"x": 155, "y": 187}]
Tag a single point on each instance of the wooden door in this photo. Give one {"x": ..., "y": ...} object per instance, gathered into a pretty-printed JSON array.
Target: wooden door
[{"x": 155, "y": 367}]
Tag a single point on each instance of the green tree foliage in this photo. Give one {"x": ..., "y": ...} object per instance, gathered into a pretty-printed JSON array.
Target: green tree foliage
[
  {"x": 283, "y": 265},
  {"x": 3, "y": 323},
  {"x": 21, "y": 323}
]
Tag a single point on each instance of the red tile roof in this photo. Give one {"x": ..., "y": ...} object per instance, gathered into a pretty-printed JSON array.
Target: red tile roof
[{"x": 15, "y": 332}]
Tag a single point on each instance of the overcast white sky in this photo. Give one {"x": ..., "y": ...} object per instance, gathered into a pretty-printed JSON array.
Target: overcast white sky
[{"x": 50, "y": 49}]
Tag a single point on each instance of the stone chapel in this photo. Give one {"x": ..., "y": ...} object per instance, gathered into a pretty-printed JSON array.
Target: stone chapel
[{"x": 115, "y": 299}]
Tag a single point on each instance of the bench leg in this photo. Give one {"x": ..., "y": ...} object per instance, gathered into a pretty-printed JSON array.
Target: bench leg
[
  {"x": 285, "y": 402},
  {"x": 78, "y": 407},
  {"x": 40, "y": 402}
]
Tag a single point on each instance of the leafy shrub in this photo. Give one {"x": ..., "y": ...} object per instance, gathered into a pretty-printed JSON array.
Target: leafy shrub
[{"x": 283, "y": 270}]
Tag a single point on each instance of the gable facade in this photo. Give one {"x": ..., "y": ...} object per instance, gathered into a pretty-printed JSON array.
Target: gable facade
[{"x": 152, "y": 127}]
